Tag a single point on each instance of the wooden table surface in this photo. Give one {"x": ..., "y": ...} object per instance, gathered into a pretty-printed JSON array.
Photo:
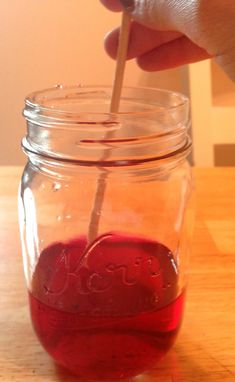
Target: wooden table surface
[{"x": 205, "y": 349}]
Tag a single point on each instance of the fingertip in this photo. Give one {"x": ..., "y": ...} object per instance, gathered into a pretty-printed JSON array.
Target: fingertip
[
  {"x": 145, "y": 65},
  {"x": 111, "y": 43},
  {"x": 112, "y": 5}
]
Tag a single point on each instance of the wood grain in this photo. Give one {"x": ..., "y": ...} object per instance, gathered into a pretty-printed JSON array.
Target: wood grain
[{"x": 205, "y": 350}]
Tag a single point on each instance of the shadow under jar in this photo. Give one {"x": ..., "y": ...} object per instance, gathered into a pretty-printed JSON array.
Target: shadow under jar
[{"x": 106, "y": 278}]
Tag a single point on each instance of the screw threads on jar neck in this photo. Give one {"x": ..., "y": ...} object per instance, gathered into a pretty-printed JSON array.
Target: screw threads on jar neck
[{"x": 73, "y": 125}]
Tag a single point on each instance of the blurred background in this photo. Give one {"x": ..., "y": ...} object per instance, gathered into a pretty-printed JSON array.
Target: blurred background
[{"x": 48, "y": 42}]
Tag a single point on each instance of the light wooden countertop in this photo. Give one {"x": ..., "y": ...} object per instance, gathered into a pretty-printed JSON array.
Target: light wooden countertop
[{"x": 205, "y": 349}]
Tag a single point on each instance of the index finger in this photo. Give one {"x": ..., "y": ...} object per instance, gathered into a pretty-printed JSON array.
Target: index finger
[{"x": 113, "y": 5}]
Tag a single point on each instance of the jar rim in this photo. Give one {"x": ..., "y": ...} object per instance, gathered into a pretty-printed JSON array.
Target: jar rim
[
  {"x": 152, "y": 123},
  {"x": 36, "y": 103}
]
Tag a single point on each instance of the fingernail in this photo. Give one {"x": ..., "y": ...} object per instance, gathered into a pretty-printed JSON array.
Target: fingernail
[{"x": 129, "y": 5}]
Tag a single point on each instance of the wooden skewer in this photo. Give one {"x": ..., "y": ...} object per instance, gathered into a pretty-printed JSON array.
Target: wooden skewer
[
  {"x": 114, "y": 107},
  {"x": 121, "y": 61}
]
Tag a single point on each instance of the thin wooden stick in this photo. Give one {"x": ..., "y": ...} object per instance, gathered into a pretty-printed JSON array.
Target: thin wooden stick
[
  {"x": 121, "y": 61},
  {"x": 114, "y": 107}
]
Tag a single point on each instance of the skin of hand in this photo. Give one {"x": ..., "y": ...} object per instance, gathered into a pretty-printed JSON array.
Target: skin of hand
[{"x": 169, "y": 33}]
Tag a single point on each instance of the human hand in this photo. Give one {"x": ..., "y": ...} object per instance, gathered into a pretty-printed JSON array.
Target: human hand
[{"x": 169, "y": 33}]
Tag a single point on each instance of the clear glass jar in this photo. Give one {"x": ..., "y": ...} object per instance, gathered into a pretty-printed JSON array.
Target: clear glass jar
[{"x": 105, "y": 217}]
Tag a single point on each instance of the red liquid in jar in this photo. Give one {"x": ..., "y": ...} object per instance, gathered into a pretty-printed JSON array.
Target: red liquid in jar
[{"x": 110, "y": 311}]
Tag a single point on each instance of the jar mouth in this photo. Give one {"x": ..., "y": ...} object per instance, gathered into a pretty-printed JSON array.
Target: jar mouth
[
  {"x": 74, "y": 124},
  {"x": 90, "y": 104}
]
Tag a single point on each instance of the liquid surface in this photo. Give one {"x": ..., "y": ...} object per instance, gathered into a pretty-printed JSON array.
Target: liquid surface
[{"x": 110, "y": 311}]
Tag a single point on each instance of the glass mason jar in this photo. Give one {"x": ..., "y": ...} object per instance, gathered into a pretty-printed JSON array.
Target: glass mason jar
[{"x": 105, "y": 217}]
